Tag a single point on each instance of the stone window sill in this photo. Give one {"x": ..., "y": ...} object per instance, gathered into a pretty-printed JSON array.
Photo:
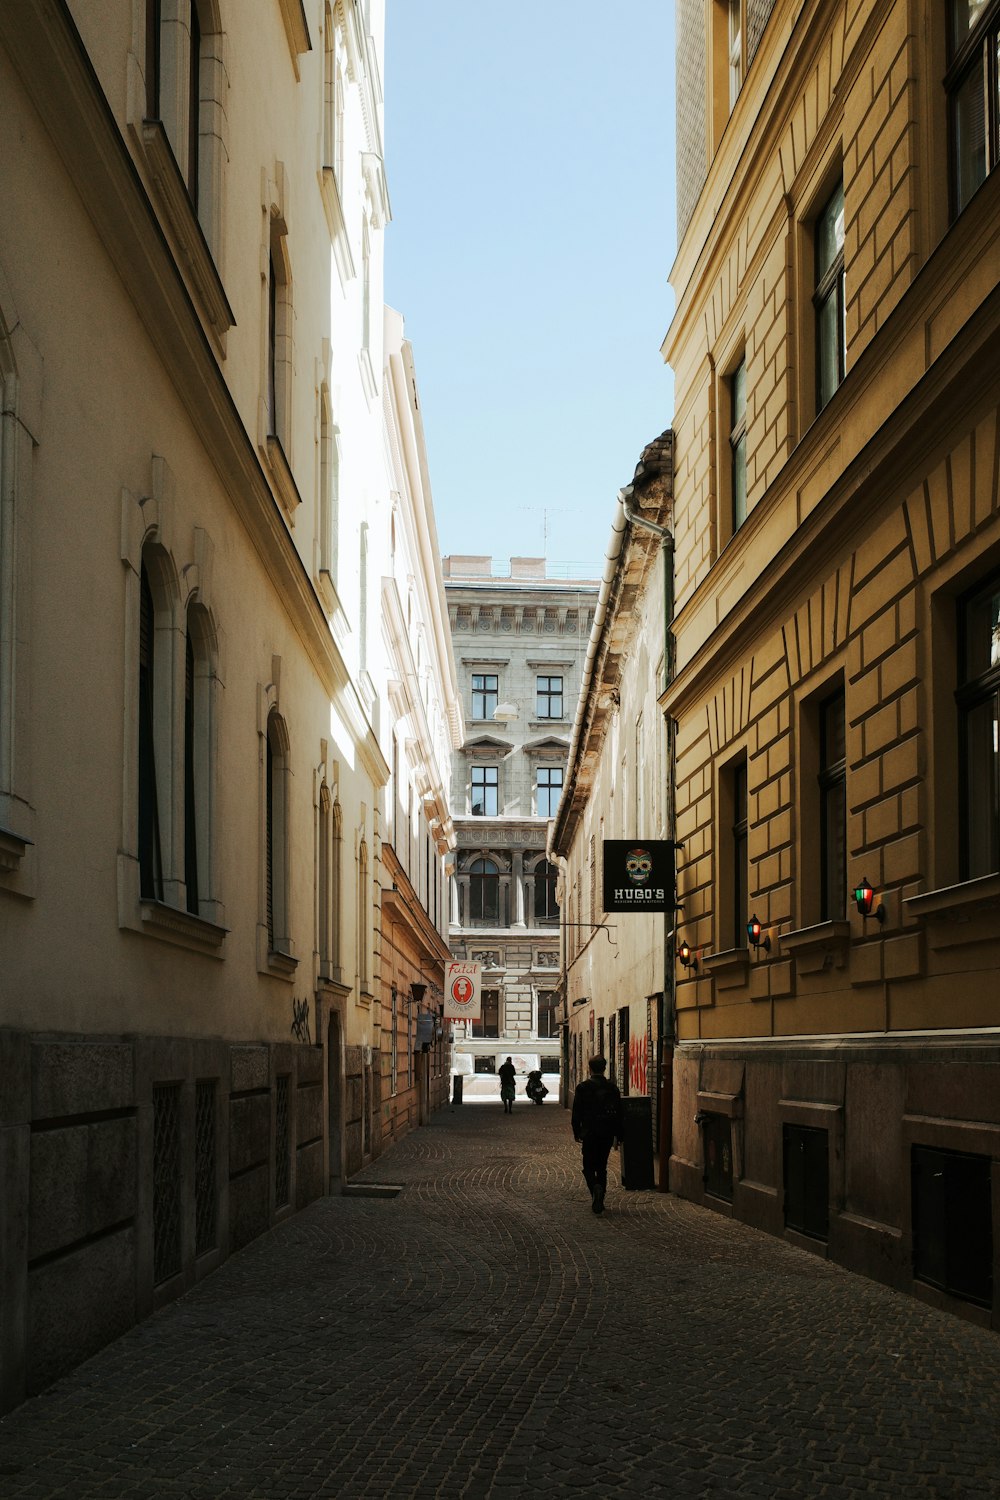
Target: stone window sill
[
  {"x": 13, "y": 848},
  {"x": 730, "y": 962},
  {"x": 172, "y": 925},
  {"x": 281, "y": 473},
  {"x": 957, "y": 901},
  {"x": 822, "y": 946},
  {"x": 171, "y": 190}
]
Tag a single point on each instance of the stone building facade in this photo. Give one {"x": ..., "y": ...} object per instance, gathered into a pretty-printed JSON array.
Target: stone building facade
[
  {"x": 520, "y": 643},
  {"x": 192, "y": 476},
  {"x": 837, "y": 531}
]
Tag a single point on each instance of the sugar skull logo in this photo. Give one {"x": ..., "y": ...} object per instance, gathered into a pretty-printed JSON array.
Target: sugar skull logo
[{"x": 639, "y": 865}]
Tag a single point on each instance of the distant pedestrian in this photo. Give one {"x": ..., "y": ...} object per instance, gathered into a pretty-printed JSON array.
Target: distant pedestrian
[
  {"x": 597, "y": 1124},
  {"x": 507, "y": 1074}
]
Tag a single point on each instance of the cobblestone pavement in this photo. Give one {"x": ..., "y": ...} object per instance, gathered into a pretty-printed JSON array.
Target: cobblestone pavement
[{"x": 483, "y": 1332}]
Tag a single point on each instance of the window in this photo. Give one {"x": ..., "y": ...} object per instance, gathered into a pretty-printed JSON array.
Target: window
[
  {"x": 740, "y": 885},
  {"x": 278, "y": 337},
  {"x": 484, "y": 694},
  {"x": 276, "y": 776},
  {"x": 953, "y": 1223},
  {"x": 736, "y": 51},
  {"x": 548, "y": 790},
  {"x": 484, "y": 891},
  {"x": 173, "y": 81},
  {"x": 191, "y": 728},
  {"x": 807, "y": 1180},
  {"x": 829, "y": 299},
  {"x": 329, "y": 491},
  {"x": 978, "y": 699},
  {"x": 485, "y": 791},
  {"x": 973, "y": 86},
  {"x": 364, "y": 922},
  {"x": 394, "y": 1042},
  {"x": 833, "y": 809},
  {"x": 324, "y": 882},
  {"x": 548, "y": 1001},
  {"x": 738, "y": 444},
  {"x": 546, "y": 905},
  {"x": 489, "y": 1022},
  {"x": 150, "y": 841},
  {"x": 549, "y": 697}
]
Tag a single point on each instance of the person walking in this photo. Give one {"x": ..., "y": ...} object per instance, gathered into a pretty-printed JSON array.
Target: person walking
[
  {"x": 507, "y": 1074},
  {"x": 597, "y": 1124}
]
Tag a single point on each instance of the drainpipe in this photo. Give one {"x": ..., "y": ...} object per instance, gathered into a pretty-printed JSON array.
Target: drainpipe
[{"x": 668, "y": 1018}]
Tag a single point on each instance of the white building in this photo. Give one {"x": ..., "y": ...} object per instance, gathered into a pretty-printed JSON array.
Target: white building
[
  {"x": 192, "y": 454},
  {"x": 421, "y": 728}
]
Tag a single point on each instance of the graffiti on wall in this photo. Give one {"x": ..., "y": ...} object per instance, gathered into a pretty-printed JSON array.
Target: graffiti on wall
[
  {"x": 638, "y": 1059},
  {"x": 300, "y": 1020}
]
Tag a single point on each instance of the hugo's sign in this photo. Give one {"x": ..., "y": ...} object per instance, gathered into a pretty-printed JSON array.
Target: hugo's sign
[{"x": 639, "y": 875}]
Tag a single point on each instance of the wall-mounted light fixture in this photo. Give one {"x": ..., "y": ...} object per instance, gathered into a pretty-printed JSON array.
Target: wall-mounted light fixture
[
  {"x": 864, "y": 896},
  {"x": 754, "y": 931},
  {"x": 686, "y": 956},
  {"x": 418, "y": 991}
]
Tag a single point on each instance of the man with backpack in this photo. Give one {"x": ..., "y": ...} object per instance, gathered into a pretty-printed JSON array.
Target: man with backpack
[{"x": 597, "y": 1124}]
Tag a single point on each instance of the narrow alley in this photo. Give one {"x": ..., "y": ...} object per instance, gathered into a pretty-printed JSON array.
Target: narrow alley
[{"x": 480, "y": 1332}]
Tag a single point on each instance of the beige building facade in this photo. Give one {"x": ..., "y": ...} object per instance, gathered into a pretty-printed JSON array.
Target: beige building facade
[
  {"x": 837, "y": 527},
  {"x": 616, "y": 991},
  {"x": 192, "y": 455}
]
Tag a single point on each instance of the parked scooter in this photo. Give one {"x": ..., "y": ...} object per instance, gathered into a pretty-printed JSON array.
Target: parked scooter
[{"x": 534, "y": 1087}]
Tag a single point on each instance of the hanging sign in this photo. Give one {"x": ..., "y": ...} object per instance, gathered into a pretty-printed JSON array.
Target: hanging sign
[
  {"x": 463, "y": 990},
  {"x": 639, "y": 875}
]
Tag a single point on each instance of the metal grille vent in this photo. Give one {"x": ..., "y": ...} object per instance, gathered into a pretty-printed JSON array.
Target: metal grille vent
[
  {"x": 282, "y": 1143},
  {"x": 204, "y": 1168},
  {"x": 166, "y": 1181}
]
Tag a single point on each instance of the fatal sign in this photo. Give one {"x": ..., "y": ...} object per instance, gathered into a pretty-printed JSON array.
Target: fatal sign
[{"x": 639, "y": 875}]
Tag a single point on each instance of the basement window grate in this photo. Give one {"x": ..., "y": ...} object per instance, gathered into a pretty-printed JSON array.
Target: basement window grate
[
  {"x": 282, "y": 1142},
  {"x": 204, "y": 1167},
  {"x": 166, "y": 1181}
]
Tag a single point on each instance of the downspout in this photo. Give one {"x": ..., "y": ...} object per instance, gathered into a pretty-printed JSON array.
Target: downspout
[{"x": 668, "y": 1020}]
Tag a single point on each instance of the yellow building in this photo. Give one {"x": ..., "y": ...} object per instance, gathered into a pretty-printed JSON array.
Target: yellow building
[{"x": 836, "y": 345}]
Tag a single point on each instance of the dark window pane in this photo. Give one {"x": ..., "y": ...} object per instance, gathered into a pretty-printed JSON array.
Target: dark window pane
[
  {"x": 739, "y": 482},
  {"x": 969, "y": 115},
  {"x": 982, "y": 769}
]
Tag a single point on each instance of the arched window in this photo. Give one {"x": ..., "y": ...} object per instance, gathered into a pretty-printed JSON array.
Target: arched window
[
  {"x": 150, "y": 832},
  {"x": 364, "y": 913},
  {"x": 546, "y": 905},
  {"x": 279, "y": 334},
  {"x": 484, "y": 891},
  {"x": 190, "y": 801},
  {"x": 276, "y": 773},
  {"x": 324, "y": 882}
]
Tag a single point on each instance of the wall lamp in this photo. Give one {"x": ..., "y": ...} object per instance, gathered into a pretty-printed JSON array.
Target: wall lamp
[
  {"x": 864, "y": 896},
  {"x": 418, "y": 991},
  {"x": 754, "y": 931},
  {"x": 686, "y": 957}
]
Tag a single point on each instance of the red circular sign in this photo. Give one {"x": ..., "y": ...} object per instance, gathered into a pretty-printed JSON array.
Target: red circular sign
[{"x": 462, "y": 990}]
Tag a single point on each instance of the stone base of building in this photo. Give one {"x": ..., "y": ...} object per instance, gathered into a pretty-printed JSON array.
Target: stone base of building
[
  {"x": 881, "y": 1154},
  {"x": 132, "y": 1167}
]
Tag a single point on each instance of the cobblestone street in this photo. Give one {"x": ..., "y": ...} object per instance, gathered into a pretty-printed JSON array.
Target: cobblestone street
[{"x": 482, "y": 1331}]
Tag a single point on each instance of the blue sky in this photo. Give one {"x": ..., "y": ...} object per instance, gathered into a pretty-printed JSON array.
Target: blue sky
[{"x": 530, "y": 170}]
